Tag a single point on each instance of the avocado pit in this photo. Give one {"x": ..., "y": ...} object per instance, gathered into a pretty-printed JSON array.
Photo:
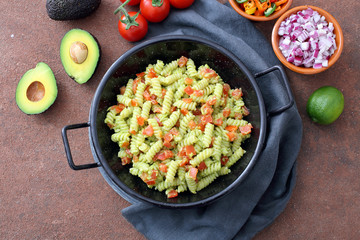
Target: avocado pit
[
  {"x": 78, "y": 52},
  {"x": 35, "y": 92}
]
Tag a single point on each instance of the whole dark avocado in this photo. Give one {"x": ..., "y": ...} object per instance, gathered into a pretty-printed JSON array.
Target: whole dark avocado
[{"x": 70, "y": 9}]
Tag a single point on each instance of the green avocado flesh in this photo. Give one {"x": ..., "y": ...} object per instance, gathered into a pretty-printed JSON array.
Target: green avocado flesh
[
  {"x": 36, "y": 90},
  {"x": 80, "y": 71}
]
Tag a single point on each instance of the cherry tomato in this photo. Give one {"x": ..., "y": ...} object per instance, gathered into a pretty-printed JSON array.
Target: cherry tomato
[
  {"x": 181, "y": 3},
  {"x": 132, "y": 2},
  {"x": 133, "y": 33},
  {"x": 155, "y": 10}
]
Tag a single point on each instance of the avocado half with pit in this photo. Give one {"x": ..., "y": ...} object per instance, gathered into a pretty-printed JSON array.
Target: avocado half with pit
[
  {"x": 80, "y": 54},
  {"x": 36, "y": 90}
]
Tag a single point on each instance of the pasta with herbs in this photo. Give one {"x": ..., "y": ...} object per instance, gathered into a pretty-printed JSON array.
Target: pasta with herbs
[{"x": 179, "y": 127}]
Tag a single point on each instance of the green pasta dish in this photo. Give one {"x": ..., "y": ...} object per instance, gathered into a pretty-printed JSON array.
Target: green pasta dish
[{"x": 179, "y": 127}]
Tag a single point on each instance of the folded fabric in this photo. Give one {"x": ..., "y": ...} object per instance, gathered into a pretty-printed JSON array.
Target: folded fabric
[{"x": 257, "y": 201}]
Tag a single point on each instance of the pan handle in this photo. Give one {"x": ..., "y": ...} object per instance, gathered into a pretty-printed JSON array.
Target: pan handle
[
  {"x": 67, "y": 147},
  {"x": 287, "y": 86}
]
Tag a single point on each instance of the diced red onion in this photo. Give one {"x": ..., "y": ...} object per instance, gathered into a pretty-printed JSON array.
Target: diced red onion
[{"x": 307, "y": 39}]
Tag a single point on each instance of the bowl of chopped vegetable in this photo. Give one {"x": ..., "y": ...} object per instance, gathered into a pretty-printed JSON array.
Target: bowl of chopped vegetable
[
  {"x": 176, "y": 121},
  {"x": 260, "y": 10},
  {"x": 307, "y": 39}
]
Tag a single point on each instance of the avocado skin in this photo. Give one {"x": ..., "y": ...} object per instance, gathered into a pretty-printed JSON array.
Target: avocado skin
[{"x": 61, "y": 10}]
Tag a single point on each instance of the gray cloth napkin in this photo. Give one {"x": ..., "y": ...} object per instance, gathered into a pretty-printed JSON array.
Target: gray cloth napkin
[{"x": 257, "y": 201}]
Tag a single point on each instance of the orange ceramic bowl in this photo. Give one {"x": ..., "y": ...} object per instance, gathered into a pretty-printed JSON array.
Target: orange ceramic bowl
[
  {"x": 236, "y": 7},
  {"x": 339, "y": 39}
]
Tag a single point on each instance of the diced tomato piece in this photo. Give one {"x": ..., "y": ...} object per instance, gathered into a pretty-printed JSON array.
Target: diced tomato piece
[
  {"x": 193, "y": 172},
  {"x": 118, "y": 108},
  {"x": 188, "y": 90},
  {"x": 152, "y": 73},
  {"x": 187, "y": 100},
  {"x": 154, "y": 174},
  {"x": 182, "y": 152},
  {"x": 135, "y": 84},
  {"x": 140, "y": 120},
  {"x": 184, "y": 111},
  {"x": 212, "y": 142},
  {"x": 128, "y": 152},
  {"x": 149, "y": 180},
  {"x": 160, "y": 156},
  {"x": 134, "y": 103},
  {"x": 174, "y": 131},
  {"x": 169, "y": 145},
  {"x": 237, "y": 93},
  {"x": 173, "y": 109},
  {"x": 165, "y": 155},
  {"x": 226, "y": 89},
  {"x": 232, "y": 136},
  {"x": 182, "y": 61},
  {"x": 198, "y": 93},
  {"x": 140, "y": 75},
  {"x": 246, "y": 129},
  {"x": 208, "y": 73},
  {"x": 172, "y": 194},
  {"x": 206, "y": 109},
  {"x": 169, "y": 154},
  {"x": 212, "y": 101},
  {"x": 189, "y": 81},
  {"x": 157, "y": 109},
  {"x": 206, "y": 119},
  {"x": 125, "y": 145},
  {"x": 133, "y": 132},
  {"x": 201, "y": 126},
  {"x": 148, "y": 131},
  {"x": 153, "y": 99},
  {"x": 190, "y": 150},
  {"x": 224, "y": 160},
  {"x": 163, "y": 167},
  {"x": 197, "y": 112},
  {"x": 184, "y": 161},
  {"x": 238, "y": 116},
  {"x": 202, "y": 166},
  {"x": 192, "y": 124},
  {"x": 122, "y": 90},
  {"x": 158, "y": 121},
  {"x": 168, "y": 137},
  {"x": 125, "y": 160},
  {"x": 246, "y": 111},
  {"x": 163, "y": 92},
  {"x": 147, "y": 95},
  {"x": 156, "y": 156},
  {"x": 226, "y": 112},
  {"x": 110, "y": 125},
  {"x": 218, "y": 122},
  {"x": 231, "y": 128}
]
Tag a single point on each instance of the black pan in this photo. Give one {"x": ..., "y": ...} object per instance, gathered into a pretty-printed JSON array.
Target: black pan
[{"x": 167, "y": 49}]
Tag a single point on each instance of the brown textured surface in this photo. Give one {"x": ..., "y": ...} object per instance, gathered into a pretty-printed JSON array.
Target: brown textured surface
[{"x": 42, "y": 198}]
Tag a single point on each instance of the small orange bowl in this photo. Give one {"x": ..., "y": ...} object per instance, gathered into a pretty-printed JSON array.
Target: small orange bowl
[
  {"x": 236, "y": 7},
  {"x": 339, "y": 39}
]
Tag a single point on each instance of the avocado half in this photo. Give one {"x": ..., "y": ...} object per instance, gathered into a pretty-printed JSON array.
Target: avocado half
[
  {"x": 36, "y": 90},
  {"x": 70, "y": 9},
  {"x": 80, "y": 54}
]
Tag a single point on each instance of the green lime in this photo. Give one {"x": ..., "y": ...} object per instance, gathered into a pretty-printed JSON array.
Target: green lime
[{"x": 325, "y": 105}]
